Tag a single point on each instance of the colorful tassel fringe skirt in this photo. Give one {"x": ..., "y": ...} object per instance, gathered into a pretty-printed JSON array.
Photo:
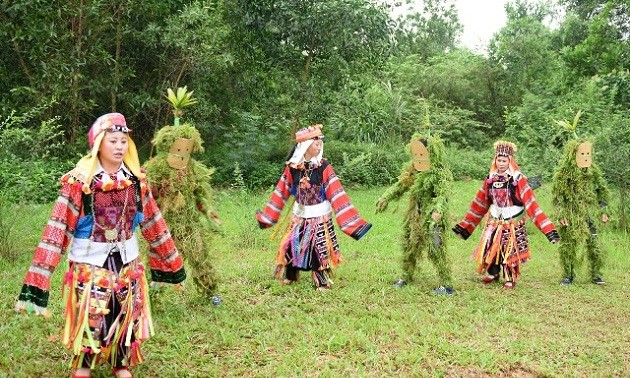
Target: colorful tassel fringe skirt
[
  {"x": 309, "y": 244},
  {"x": 107, "y": 313},
  {"x": 503, "y": 242}
]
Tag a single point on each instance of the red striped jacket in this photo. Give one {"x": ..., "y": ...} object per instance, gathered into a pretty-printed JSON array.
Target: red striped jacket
[
  {"x": 346, "y": 214},
  {"x": 164, "y": 260},
  {"x": 522, "y": 195}
]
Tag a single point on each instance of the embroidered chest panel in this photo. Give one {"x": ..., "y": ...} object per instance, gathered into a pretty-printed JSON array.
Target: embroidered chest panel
[
  {"x": 308, "y": 187},
  {"x": 502, "y": 191},
  {"x": 114, "y": 212}
]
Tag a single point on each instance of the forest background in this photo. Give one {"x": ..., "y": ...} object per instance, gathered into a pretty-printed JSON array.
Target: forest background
[{"x": 261, "y": 69}]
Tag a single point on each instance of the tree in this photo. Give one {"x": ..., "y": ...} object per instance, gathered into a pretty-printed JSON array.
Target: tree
[
  {"x": 604, "y": 46},
  {"x": 317, "y": 42},
  {"x": 434, "y": 30},
  {"x": 90, "y": 56},
  {"x": 522, "y": 52}
]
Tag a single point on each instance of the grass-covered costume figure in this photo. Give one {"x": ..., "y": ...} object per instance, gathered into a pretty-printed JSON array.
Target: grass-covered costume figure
[
  {"x": 428, "y": 180},
  {"x": 181, "y": 186},
  {"x": 580, "y": 195}
]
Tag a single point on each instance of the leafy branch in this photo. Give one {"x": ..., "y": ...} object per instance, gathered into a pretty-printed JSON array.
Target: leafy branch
[{"x": 179, "y": 100}]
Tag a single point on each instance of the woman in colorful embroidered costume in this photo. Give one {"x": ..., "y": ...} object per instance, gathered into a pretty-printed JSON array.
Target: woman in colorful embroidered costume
[
  {"x": 507, "y": 198},
  {"x": 101, "y": 203},
  {"x": 310, "y": 241}
]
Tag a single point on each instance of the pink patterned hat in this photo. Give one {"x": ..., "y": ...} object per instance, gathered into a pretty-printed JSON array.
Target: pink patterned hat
[
  {"x": 107, "y": 122},
  {"x": 311, "y": 132}
]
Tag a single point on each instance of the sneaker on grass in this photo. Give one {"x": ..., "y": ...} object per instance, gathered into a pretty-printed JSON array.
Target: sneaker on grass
[{"x": 443, "y": 290}]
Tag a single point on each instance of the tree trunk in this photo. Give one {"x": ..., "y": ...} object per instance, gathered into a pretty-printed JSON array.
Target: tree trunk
[{"x": 77, "y": 25}]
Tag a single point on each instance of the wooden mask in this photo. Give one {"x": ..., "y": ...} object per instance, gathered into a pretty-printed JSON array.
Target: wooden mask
[
  {"x": 420, "y": 156},
  {"x": 584, "y": 155},
  {"x": 179, "y": 153}
]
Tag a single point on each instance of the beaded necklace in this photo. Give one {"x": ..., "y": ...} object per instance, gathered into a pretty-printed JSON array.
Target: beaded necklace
[
  {"x": 304, "y": 184},
  {"x": 111, "y": 234}
]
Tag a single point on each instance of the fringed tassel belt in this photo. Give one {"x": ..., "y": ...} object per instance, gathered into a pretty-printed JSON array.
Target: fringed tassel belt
[
  {"x": 502, "y": 242},
  {"x": 107, "y": 313},
  {"x": 305, "y": 236}
]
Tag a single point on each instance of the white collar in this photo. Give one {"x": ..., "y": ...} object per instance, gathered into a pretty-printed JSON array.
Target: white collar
[
  {"x": 300, "y": 150},
  {"x": 122, "y": 172}
]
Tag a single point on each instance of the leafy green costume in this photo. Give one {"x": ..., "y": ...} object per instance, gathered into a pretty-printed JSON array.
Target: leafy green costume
[
  {"x": 185, "y": 198},
  {"x": 580, "y": 196},
  {"x": 428, "y": 194}
]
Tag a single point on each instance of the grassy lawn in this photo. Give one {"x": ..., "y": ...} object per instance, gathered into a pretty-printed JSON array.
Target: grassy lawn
[{"x": 363, "y": 327}]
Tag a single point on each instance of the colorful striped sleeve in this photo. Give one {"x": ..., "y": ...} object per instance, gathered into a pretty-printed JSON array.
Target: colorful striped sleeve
[
  {"x": 526, "y": 194},
  {"x": 53, "y": 243},
  {"x": 478, "y": 208},
  {"x": 165, "y": 262},
  {"x": 346, "y": 214},
  {"x": 270, "y": 215}
]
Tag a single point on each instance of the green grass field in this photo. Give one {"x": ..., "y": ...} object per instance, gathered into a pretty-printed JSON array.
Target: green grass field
[{"x": 363, "y": 327}]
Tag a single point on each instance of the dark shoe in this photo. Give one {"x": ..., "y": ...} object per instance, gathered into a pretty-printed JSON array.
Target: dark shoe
[
  {"x": 568, "y": 280},
  {"x": 400, "y": 283},
  {"x": 599, "y": 281},
  {"x": 216, "y": 300},
  {"x": 490, "y": 278},
  {"x": 443, "y": 290},
  {"x": 509, "y": 285}
]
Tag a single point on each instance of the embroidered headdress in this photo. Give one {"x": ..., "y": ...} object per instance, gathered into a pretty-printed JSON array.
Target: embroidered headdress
[
  {"x": 304, "y": 138},
  {"x": 505, "y": 149},
  {"x": 307, "y": 133},
  {"x": 86, "y": 167}
]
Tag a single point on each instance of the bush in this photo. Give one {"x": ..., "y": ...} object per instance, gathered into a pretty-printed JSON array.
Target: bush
[
  {"x": 366, "y": 164},
  {"x": 467, "y": 164},
  {"x": 32, "y": 158},
  {"x": 262, "y": 174},
  {"x": 31, "y": 181},
  {"x": 363, "y": 164}
]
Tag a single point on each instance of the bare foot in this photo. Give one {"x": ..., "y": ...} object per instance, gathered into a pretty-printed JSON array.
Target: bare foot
[
  {"x": 82, "y": 373},
  {"x": 122, "y": 372}
]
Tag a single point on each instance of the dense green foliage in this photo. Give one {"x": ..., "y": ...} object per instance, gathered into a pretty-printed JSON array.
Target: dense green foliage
[{"x": 262, "y": 69}]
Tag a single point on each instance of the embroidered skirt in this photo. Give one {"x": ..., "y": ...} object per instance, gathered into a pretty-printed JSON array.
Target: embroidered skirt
[
  {"x": 503, "y": 242},
  {"x": 309, "y": 244},
  {"x": 107, "y": 313}
]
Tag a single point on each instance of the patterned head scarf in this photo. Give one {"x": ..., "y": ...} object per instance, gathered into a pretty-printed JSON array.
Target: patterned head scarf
[
  {"x": 86, "y": 167},
  {"x": 304, "y": 138}
]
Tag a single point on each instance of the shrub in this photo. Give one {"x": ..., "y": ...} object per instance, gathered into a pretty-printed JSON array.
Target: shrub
[
  {"x": 32, "y": 158},
  {"x": 31, "y": 181},
  {"x": 366, "y": 164},
  {"x": 467, "y": 164},
  {"x": 262, "y": 174}
]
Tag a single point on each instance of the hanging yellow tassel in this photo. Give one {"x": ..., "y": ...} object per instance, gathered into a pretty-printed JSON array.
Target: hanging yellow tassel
[
  {"x": 284, "y": 222},
  {"x": 147, "y": 318},
  {"x": 511, "y": 243}
]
